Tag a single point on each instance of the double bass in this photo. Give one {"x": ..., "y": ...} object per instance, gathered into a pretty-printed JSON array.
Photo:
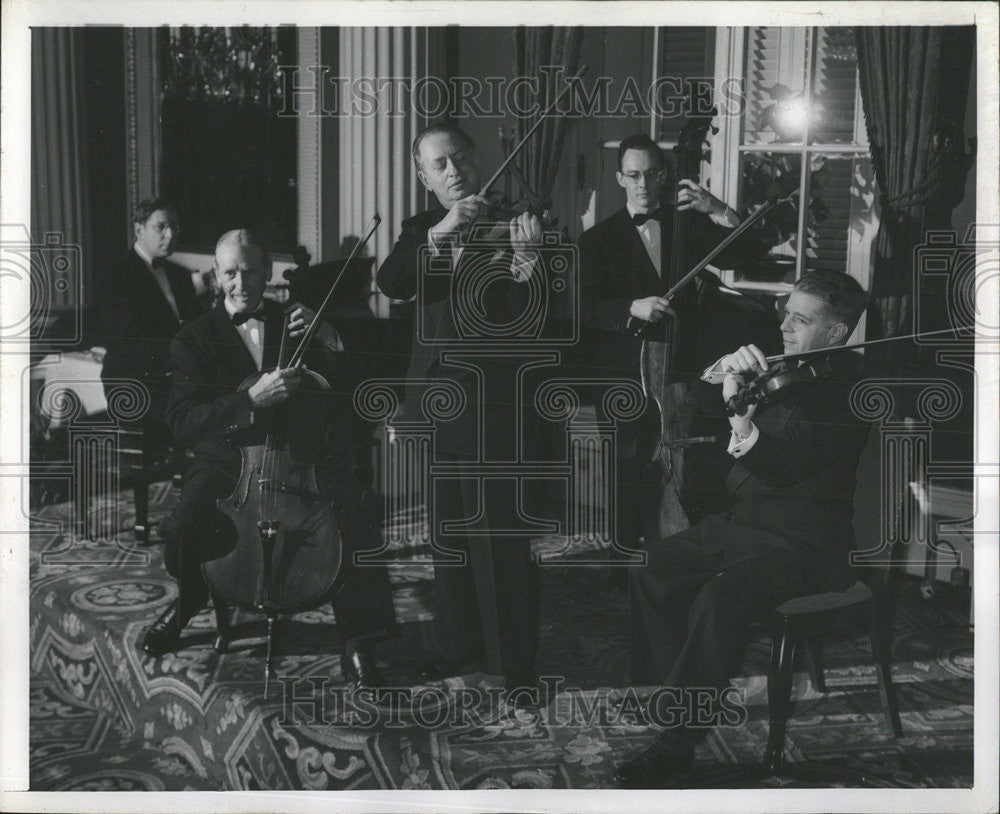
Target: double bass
[
  {"x": 666, "y": 359},
  {"x": 658, "y": 357},
  {"x": 288, "y": 553}
]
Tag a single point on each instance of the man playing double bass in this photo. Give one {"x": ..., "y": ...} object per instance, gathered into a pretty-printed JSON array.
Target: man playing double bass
[
  {"x": 624, "y": 271},
  {"x": 210, "y": 358}
]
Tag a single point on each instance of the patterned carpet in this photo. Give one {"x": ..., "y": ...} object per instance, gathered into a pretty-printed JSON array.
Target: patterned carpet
[{"x": 103, "y": 717}]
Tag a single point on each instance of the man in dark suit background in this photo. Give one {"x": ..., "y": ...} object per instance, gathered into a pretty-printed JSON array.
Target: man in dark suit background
[
  {"x": 624, "y": 271},
  {"x": 787, "y": 533},
  {"x": 487, "y": 605},
  {"x": 142, "y": 300},
  {"x": 210, "y": 358}
]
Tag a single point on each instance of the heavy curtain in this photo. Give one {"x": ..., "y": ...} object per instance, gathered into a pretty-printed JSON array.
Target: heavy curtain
[
  {"x": 914, "y": 83},
  {"x": 551, "y": 47}
]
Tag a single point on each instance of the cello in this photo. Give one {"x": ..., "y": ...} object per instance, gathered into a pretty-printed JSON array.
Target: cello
[{"x": 288, "y": 552}]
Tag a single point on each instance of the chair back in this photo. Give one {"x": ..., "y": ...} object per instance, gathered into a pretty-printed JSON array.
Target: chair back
[{"x": 877, "y": 509}]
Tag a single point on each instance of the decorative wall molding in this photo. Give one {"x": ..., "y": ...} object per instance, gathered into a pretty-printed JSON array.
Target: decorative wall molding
[{"x": 142, "y": 117}]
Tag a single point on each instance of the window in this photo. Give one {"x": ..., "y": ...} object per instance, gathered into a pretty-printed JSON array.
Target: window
[
  {"x": 228, "y": 158},
  {"x": 801, "y": 114}
]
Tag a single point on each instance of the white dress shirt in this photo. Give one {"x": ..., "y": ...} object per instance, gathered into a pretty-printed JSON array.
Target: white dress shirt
[
  {"x": 652, "y": 239},
  {"x": 251, "y": 332}
]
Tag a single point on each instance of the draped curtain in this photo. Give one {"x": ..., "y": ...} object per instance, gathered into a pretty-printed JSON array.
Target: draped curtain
[
  {"x": 58, "y": 169},
  {"x": 919, "y": 162},
  {"x": 550, "y": 47}
]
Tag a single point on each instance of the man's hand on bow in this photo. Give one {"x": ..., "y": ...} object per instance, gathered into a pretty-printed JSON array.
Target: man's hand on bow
[
  {"x": 301, "y": 318},
  {"x": 651, "y": 309},
  {"x": 274, "y": 387},
  {"x": 460, "y": 216}
]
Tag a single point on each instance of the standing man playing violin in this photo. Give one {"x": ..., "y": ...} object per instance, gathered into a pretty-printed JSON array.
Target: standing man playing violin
[
  {"x": 210, "y": 358},
  {"x": 787, "y": 533},
  {"x": 488, "y": 605},
  {"x": 624, "y": 265}
]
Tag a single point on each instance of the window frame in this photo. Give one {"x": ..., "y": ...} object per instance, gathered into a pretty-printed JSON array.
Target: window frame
[{"x": 726, "y": 148}]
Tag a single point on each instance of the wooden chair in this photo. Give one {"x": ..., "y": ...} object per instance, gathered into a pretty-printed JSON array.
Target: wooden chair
[
  {"x": 798, "y": 621},
  {"x": 145, "y": 463}
]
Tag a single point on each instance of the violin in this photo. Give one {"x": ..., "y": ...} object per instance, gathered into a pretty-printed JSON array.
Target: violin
[
  {"x": 288, "y": 552},
  {"x": 781, "y": 381},
  {"x": 794, "y": 371}
]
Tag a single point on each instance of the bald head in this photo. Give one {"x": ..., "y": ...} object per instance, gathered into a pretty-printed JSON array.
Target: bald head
[{"x": 241, "y": 269}]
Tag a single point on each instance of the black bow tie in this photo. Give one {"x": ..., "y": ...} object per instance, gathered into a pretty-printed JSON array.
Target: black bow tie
[
  {"x": 639, "y": 218},
  {"x": 240, "y": 318}
]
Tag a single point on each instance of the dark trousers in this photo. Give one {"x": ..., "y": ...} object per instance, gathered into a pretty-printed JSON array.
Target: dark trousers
[
  {"x": 488, "y": 604},
  {"x": 362, "y": 600},
  {"x": 691, "y": 608}
]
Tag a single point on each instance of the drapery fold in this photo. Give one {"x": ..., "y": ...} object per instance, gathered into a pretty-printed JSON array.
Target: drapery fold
[
  {"x": 550, "y": 48},
  {"x": 917, "y": 158}
]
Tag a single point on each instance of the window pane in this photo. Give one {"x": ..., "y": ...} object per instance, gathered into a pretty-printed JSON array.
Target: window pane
[
  {"x": 775, "y": 110},
  {"x": 779, "y": 230},
  {"x": 841, "y": 216},
  {"x": 834, "y": 86}
]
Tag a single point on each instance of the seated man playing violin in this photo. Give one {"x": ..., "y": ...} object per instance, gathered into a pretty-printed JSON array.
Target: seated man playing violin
[
  {"x": 208, "y": 409},
  {"x": 787, "y": 533}
]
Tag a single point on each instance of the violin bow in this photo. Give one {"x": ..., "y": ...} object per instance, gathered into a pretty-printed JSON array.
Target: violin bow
[
  {"x": 780, "y": 192},
  {"x": 297, "y": 357},
  {"x": 531, "y": 130},
  {"x": 807, "y": 353}
]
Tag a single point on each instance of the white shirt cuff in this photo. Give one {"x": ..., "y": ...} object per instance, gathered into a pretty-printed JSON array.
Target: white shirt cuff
[
  {"x": 523, "y": 268},
  {"x": 740, "y": 448},
  {"x": 432, "y": 244},
  {"x": 727, "y": 217},
  {"x": 334, "y": 343},
  {"x": 713, "y": 373}
]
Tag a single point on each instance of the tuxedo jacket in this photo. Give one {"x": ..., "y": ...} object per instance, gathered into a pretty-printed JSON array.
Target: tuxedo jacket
[
  {"x": 206, "y": 408},
  {"x": 615, "y": 269},
  {"x": 793, "y": 491},
  {"x": 136, "y": 321},
  {"x": 443, "y": 325}
]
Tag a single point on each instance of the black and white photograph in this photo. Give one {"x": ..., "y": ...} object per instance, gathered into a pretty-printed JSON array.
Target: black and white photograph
[{"x": 499, "y": 406}]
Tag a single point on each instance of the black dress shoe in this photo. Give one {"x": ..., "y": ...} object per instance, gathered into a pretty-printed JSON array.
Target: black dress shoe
[
  {"x": 359, "y": 669},
  {"x": 164, "y": 634},
  {"x": 523, "y": 691},
  {"x": 662, "y": 765}
]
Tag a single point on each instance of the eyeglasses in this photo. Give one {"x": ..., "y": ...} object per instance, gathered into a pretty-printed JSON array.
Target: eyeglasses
[{"x": 650, "y": 175}]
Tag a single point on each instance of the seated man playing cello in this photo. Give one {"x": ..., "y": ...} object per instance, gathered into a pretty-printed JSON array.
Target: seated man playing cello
[
  {"x": 788, "y": 532},
  {"x": 207, "y": 409}
]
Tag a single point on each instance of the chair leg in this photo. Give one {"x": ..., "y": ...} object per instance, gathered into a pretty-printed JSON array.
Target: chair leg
[
  {"x": 883, "y": 665},
  {"x": 223, "y": 626},
  {"x": 140, "y": 494},
  {"x": 814, "y": 659},
  {"x": 779, "y": 694}
]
